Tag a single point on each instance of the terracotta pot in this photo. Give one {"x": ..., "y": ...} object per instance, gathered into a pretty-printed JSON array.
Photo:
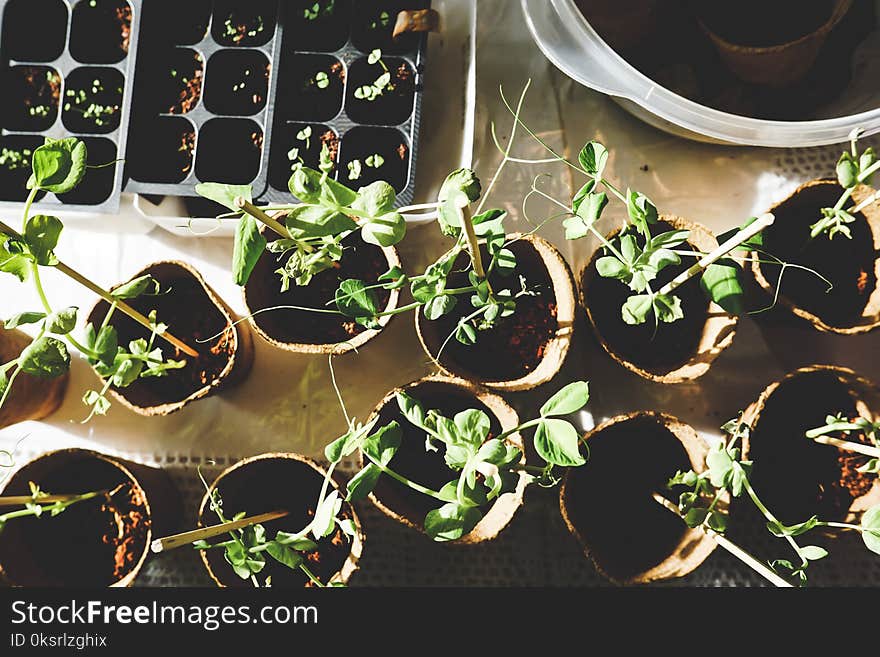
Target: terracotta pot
[
  {"x": 28, "y": 544},
  {"x": 259, "y": 485},
  {"x": 776, "y": 65},
  {"x": 283, "y": 328},
  {"x": 711, "y": 338},
  {"x": 799, "y": 402},
  {"x": 623, "y": 536},
  {"x": 153, "y": 396},
  {"x": 31, "y": 397},
  {"x": 457, "y": 360},
  {"x": 455, "y": 395}
]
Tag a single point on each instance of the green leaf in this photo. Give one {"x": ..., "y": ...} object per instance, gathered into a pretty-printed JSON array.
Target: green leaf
[
  {"x": 466, "y": 334},
  {"x": 22, "y": 319},
  {"x": 296, "y": 541},
  {"x": 640, "y": 210},
  {"x": 871, "y": 529},
  {"x": 438, "y": 306},
  {"x": 569, "y": 399},
  {"x": 387, "y": 230},
  {"x": 13, "y": 263},
  {"x": 451, "y": 521},
  {"x": 393, "y": 279},
  {"x": 847, "y": 171},
  {"x": 460, "y": 188},
  {"x": 668, "y": 307},
  {"x": 411, "y": 408},
  {"x": 363, "y": 482},
  {"x": 813, "y": 552},
  {"x": 472, "y": 426},
  {"x": 107, "y": 344},
  {"x": 720, "y": 465},
  {"x": 575, "y": 228},
  {"x": 136, "y": 287},
  {"x": 490, "y": 221},
  {"x": 62, "y": 322},
  {"x": 318, "y": 221},
  {"x": 247, "y": 248},
  {"x": 41, "y": 234},
  {"x": 323, "y": 522},
  {"x": 591, "y": 210},
  {"x": 722, "y": 282},
  {"x": 611, "y": 267},
  {"x": 225, "y": 195},
  {"x": 593, "y": 158},
  {"x": 558, "y": 443},
  {"x": 582, "y": 194},
  {"x": 283, "y": 554},
  {"x": 750, "y": 244},
  {"x": 636, "y": 308},
  {"x": 670, "y": 239},
  {"x": 375, "y": 199},
  {"x": 46, "y": 357},
  {"x": 355, "y": 300},
  {"x": 383, "y": 445},
  {"x": 310, "y": 186},
  {"x": 58, "y": 165}
]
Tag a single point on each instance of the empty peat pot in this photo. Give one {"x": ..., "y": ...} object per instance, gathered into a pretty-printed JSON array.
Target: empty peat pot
[
  {"x": 672, "y": 353},
  {"x": 796, "y": 477},
  {"x": 608, "y": 503},
  {"x": 770, "y": 43},
  {"x": 103, "y": 541},
  {"x": 281, "y": 481},
  {"x": 193, "y": 312},
  {"x": 448, "y": 396},
  {"x": 31, "y": 397},
  {"x": 306, "y": 332},
  {"x": 524, "y": 350}
]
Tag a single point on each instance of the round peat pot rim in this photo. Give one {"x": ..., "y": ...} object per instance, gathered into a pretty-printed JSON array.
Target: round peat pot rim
[
  {"x": 556, "y": 349},
  {"x": 352, "y": 561},
  {"x": 504, "y": 508},
  {"x": 694, "y": 546},
  {"x": 392, "y": 257},
  {"x": 871, "y": 314},
  {"x": 242, "y": 344},
  {"x": 857, "y": 387},
  {"x": 76, "y": 452},
  {"x": 719, "y": 329}
]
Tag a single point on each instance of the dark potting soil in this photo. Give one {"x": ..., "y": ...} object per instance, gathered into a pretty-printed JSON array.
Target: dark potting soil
[
  {"x": 163, "y": 150},
  {"x": 100, "y": 31},
  {"x": 191, "y": 316},
  {"x": 847, "y": 263},
  {"x": 308, "y": 151},
  {"x": 394, "y": 105},
  {"x": 659, "y": 349},
  {"x": 412, "y": 460},
  {"x": 32, "y": 98},
  {"x": 795, "y": 477},
  {"x": 360, "y": 261},
  {"x": 761, "y": 23},
  {"x": 229, "y": 151},
  {"x": 373, "y": 26},
  {"x": 92, "y": 543},
  {"x": 515, "y": 346},
  {"x": 33, "y": 30},
  {"x": 93, "y": 100},
  {"x": 179, "y": 23},
  {"x": 244, "y": 24},
  {"x": 238, "y": 84},
  {"x": 321, "y": 25},
  {"x": 267, "y": 485},
  {"x": 15, "y": 165},
  {"x": 177, "y": 81},
  {"x": 302, "y": 98},
  {"x": 626, "y": 531},
  {"x": 389, "y": 143},
  {"x": 97, "y": 185}
]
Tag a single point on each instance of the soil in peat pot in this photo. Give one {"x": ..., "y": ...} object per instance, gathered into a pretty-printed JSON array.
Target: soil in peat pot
[
  {"x": 515, "y": 346},
  {"x": 288, "y": 149},
  {"x": 265, "y": 485},
  {"x": 394, "y": 105},
  {"x": 759, "y": 23},
  {"x": 795, "y": 477},
  {"x": 657, "y": 349},
  {"x": 304, "y": 96},
  {"x": 319, "y": 25},
  {"x": 100, "y": 31},
  {"x": 241, "y": 24},
  {"x": 191, "y": 316},
  {"x": 92, "y": 543},
  {"x": 625, "y": 530},
  {"x": 360, "y": 260},
  {"x": 847, "y": 263},
  {"x": 32, "y": 96},
  {"x": 34, "y": 30},
  {"x": 412, "y": 460}
]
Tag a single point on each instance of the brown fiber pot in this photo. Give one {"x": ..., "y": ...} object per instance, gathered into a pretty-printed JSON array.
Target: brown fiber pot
[
  {"x": 20, "y": 564},
  {"x": 264, "y": 277},
  {"x": 266, "y": 477},
  {"x": 556, "y": 349},
  {"x": 805, "y": 396},
  {"x": 31, "y": 397},
  {"x": 148, "y": 397},
  {"x": 777, "y": 65},
  {"x": 458, "y": 395},
  {"x": 717, "y": 333},
  {"x": 605, "y": 539}
]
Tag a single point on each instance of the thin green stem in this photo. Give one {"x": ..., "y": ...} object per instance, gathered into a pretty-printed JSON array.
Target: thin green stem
[
  {"x": 27, "y": 208},
  {"x": 311, "y": 575},
  {"x": 523, "y": 426},
  {"x": 403, "y": 480}
]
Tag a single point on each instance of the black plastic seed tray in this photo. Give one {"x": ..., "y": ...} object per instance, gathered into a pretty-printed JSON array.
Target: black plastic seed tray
[
  {"x": 68, "y": 67},
  {"x": 203, "y": 110}
]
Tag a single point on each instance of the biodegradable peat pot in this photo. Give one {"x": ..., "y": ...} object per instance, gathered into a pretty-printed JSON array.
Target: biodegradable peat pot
[
  {"x": 525, "y": 350},
  {"x": 608, "y": 505},
  {"x": 193, "y": 312},
  {"x": 281, "y": 481},
  {"x": 412, "y": 460},
  {"x": 796, "y": 477},
  {"x": 772, "y": 44},
  {"x": 95, "y": 542},
  {"x": 305, "y": 332},
  {"x": 677, "y": 352},
  {"x": 31, "y": 397}
]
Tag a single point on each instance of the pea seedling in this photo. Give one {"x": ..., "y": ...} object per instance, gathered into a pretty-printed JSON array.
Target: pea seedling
[
  {"x": 371, "y": 92},
  {"x": 838, "y": 425},
  {"x": 319, "y": 10},
  {"x": 727, "y": 473},
  {"x": 40, "y": 503},
  {"x": 58, "y": 167},
  {"x": 853, "y": 169}
]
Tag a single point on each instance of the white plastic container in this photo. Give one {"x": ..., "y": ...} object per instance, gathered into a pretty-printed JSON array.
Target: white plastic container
[{"x": 573, "y": 46}]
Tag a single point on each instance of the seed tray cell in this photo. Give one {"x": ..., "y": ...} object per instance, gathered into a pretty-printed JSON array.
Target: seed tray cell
[{"x": 69, "y": 66}]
